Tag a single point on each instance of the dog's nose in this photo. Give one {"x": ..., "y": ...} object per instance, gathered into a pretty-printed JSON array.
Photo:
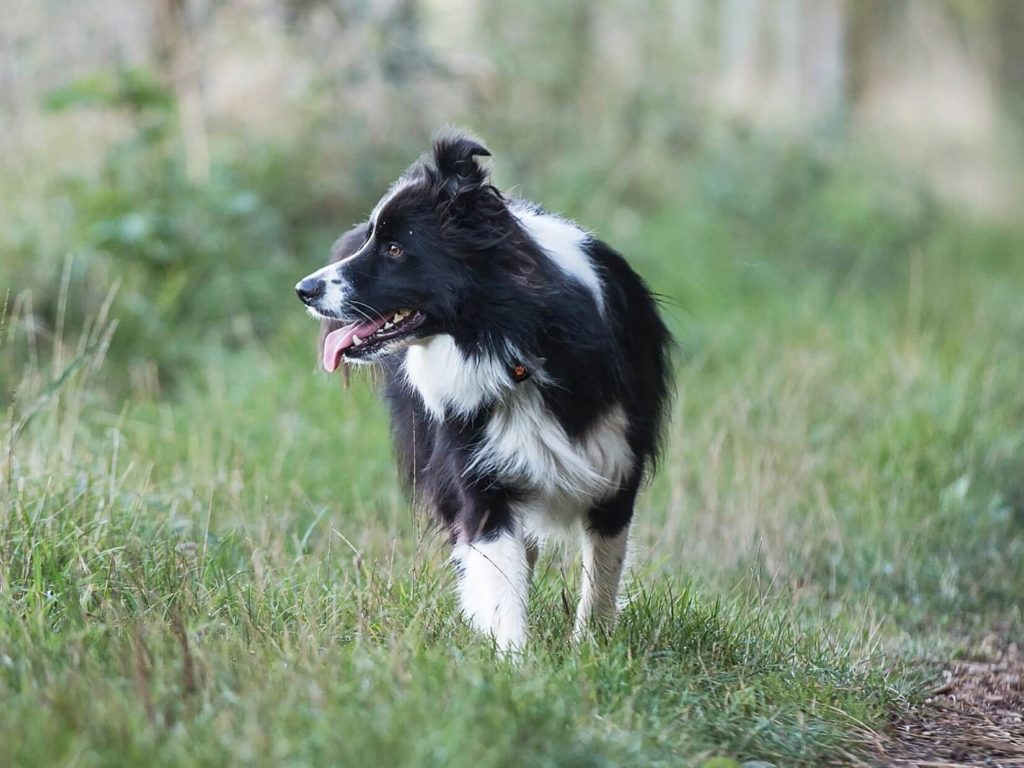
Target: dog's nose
[{"x": 309, "y": 289}]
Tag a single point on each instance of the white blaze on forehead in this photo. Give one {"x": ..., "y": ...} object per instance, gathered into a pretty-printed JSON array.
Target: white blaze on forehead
[
  {"x": 397, "y": 187},
  {"x": 563, "y": 242}
]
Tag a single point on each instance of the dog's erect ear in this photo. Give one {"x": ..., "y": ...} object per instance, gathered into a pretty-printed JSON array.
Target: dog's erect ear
[
  {"x": 471, "y": 210},
  {"x": 455, "y": 156}
]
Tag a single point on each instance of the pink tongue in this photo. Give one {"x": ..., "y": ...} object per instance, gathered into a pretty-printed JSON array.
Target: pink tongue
[{"x": 340, "y": 340}]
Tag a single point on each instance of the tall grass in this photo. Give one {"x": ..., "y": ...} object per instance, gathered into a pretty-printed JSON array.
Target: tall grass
[{"x": 219, "y": 568}]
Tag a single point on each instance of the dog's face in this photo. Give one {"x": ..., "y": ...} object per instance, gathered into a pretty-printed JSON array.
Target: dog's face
[{"x": 417, "y": 263}]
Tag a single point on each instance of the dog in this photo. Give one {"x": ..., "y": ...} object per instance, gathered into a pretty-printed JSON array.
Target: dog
[{"x": 527, "y": 372}]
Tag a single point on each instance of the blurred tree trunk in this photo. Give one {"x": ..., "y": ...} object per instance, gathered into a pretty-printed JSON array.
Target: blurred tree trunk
[
  {"x": 1008, "y": 19},
  {"x": 788, "y": 29},
  {"x": 870, "y": 25},
  {"x": 861, "y": 19},
  {"x": 178, "y": 58},
  {"x": 405, "y": 55},
  {"x": 582, "y": 43},
  {"x": 824, "y": 67},
  {"x": 740, "y": 23}
]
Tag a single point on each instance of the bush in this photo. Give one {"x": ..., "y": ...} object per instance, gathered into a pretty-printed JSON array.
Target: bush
[{"x": 198, "y": 265}]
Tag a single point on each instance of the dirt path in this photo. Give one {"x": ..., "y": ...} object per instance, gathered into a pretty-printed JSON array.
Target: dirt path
[{"x": 975, "y": 718}]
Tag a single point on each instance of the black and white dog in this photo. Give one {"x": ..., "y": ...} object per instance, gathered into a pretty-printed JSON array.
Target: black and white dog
[{"x": 526, "y": 369}]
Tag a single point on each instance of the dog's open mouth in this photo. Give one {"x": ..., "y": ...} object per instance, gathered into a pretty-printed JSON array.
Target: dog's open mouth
[{"x": 368, "y": 338}]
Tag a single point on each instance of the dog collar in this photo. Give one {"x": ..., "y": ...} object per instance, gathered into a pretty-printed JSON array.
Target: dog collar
[{"x": 521, "y": 370}]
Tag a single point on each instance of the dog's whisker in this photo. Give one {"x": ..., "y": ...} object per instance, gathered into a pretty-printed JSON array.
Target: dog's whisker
[
  {"x": 374, "y": 311},
  {"x": 361, "y": 313}
]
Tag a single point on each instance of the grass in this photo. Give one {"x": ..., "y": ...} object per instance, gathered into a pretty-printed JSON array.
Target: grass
[{"x": 228, "y": 574}]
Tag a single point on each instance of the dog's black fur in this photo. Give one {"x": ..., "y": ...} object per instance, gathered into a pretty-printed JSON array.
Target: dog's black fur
[
  {"x": 475, "y": 273},
  {"x": 478, "y": 276}
]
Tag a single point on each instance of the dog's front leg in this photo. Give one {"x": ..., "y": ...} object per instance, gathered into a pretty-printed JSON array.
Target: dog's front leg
[{"x": 494, "y": 584}]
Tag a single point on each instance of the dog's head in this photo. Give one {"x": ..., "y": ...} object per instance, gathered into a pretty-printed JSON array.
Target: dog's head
[{"x": 411, "y": 270}]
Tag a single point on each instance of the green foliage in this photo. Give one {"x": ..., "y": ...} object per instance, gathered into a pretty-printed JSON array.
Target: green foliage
[
  {"x": 133, "y": 89},
  {"x": 209, "y": 610},
  {"x": 228, "y": 573},
  {"x": 197, "y": 265},
  {"x": 231, "y": 575},
  {"x": 197, "y": 261}
]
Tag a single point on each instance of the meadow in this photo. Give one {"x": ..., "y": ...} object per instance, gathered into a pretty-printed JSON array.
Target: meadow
[{"x": 206, "y": 559}]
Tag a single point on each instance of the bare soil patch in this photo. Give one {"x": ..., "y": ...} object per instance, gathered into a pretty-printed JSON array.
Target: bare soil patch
[{"x": 974, "y": 718}]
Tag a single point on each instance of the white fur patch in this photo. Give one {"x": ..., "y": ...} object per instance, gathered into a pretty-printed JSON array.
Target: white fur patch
[
  {"x": 445, "y": 378},
  {"x": 525, "y": 444},
  {"x": 493, "y": 588},
  {"x": 336, "y": 290},
  {"x": 562, "y": 241}
]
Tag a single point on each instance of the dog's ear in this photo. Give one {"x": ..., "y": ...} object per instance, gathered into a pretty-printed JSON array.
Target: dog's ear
[
  {"x": 455, "y": 156},
  {"x": 473, "y": 212}
]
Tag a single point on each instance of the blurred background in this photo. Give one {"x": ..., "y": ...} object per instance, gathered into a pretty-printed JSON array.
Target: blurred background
[
  {"x": 827, "y": 194},
  {"x": 201, "y": 153}
]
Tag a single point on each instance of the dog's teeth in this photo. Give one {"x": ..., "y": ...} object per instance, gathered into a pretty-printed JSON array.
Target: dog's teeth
[
  {"x": 388, "y": 325},
  {"x": 356, "y": 341}
]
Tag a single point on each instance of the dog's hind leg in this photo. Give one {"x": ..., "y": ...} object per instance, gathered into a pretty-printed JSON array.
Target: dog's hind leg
[
  {"x": 605, "y": 542},
  {"x": 532, "y": 553},
  {"x": 494, "y": 575},
  {"x": 603, "y": 561}
]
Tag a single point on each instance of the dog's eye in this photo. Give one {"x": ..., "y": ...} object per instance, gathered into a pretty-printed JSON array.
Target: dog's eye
[{"x": 395, "y": 250}]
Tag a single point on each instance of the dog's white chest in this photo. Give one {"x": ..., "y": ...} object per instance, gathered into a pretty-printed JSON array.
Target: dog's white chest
[
  {"x": 445, "y": 379},
  {"x": 523, "y": 444}
]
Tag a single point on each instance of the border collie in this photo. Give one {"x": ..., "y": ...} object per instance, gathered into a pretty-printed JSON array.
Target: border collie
[{"x": 526, "y": 369}]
